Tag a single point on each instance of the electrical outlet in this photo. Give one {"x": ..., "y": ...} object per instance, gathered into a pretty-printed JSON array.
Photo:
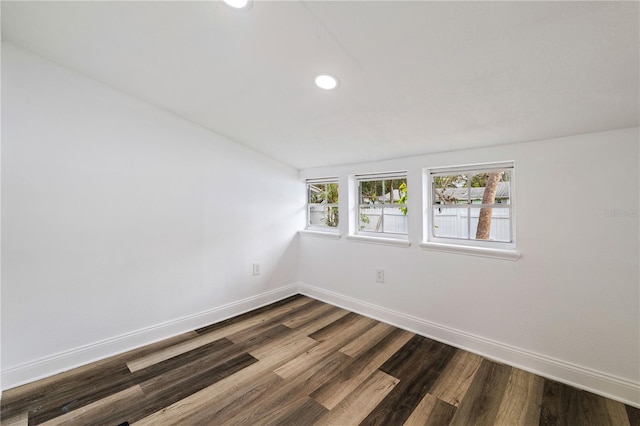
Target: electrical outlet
[
  {"x": 380, "y": 275},
  {"x": 257, "y": 268}
]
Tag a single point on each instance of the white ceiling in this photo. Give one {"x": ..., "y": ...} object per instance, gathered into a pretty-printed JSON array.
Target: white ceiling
[{"x": 416, "y": 77}]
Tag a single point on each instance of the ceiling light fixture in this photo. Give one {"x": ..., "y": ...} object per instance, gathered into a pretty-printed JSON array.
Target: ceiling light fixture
[
  {"x": 239, "y": 4},
  {"x": 326, "y": 82}
]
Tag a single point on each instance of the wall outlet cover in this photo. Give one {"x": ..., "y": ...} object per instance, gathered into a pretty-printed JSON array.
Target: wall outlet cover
[{"x": 257, "y": 269}]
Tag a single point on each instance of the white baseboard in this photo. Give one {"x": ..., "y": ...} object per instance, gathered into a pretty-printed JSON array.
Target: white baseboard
[
  {"x": 590, "y": 380},
  {"x": 64, "y": 361},
  {"x": 584, "y": 378}
]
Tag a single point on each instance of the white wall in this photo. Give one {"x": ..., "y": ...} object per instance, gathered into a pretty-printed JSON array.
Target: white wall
[
  {"x": 569, "y": 308},
  {"x": 123, "y": 223}
]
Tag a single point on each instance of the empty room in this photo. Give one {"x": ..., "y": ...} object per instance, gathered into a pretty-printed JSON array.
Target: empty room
[{"x": 320, "y": 213}]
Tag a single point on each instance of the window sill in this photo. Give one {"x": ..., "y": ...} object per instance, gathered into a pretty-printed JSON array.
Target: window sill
[
  {"x": 320, "y": 234},
  {"x": 503, "y": 254},
  {"x": 379, "y": 240}
]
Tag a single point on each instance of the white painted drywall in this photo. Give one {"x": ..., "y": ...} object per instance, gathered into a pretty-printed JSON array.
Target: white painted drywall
[
  {"x": 118, "y": 216},
  {"x": 574, "y": 294}
]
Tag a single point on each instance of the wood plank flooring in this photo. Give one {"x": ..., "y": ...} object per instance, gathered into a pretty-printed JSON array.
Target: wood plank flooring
[{"x": 303, "y": 362}]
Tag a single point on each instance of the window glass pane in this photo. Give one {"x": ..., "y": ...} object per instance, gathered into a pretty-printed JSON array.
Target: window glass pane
[
  {"x": 320, "y": 215},
  {"x": 451, "y": 189},
  {"x": 371, "y": 192},
  {"x": 491, "y": 224},
  {"x": 315, "y": 192},
  {"x": 386, "y": 191},
  {"x": 317, "y": 214},
  {"x": 494, "y": 185},
  {"x": 331, "y": 218},
  {"x": 370, "y": 219},
  {"x": 332, "y": 193},
  {"x": 323, "y": 193},
  {"x": 450, "y": 222},
  {"x": 394, "y": 189},
  {"x": 395, "y": 221}
]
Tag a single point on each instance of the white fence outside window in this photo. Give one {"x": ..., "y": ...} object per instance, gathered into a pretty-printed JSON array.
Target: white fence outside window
[
  {"x": 394, "y": 221},
  {"x": 452, "y": 223}
]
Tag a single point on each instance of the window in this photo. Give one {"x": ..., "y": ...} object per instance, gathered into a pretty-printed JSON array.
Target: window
[
  {"x": 322, "y": 204},
  {"x": 471, "y": 206},
  {"x": 382, "y": 205}
]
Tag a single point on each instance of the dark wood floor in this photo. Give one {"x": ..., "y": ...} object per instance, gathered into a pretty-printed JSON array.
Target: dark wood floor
[{"x": 303, "y": 362}]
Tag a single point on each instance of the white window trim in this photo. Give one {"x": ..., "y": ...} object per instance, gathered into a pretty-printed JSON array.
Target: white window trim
[
  {"x": 386, "y": 238},
  {"x": 473, "y": 251},
  {"x": 314, "y": 230},
  {"x": 324, "y": 233},
  {"x": 493, "y": 249},
  {"x": 320, "y": 228},
  {"x": 379, "y": 240}
]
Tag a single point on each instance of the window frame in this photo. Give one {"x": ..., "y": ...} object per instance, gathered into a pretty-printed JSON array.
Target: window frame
[
  {"x": 316, "y": 227},
  {"x": 357, "y": 203},
  {"x": 491, "y": 248}
]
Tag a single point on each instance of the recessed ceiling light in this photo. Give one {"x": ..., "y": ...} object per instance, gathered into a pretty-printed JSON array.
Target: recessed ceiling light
[
  {"x": 239, "y": 4},
  {"x": 326, "y": 81}
]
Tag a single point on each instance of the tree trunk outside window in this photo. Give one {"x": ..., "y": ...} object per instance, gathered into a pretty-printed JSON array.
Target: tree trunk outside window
[{"x": 489, "y": 197}]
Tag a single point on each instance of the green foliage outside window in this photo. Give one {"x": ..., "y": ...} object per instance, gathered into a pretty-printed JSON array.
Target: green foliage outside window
[{"x": 325, "y": 197}]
